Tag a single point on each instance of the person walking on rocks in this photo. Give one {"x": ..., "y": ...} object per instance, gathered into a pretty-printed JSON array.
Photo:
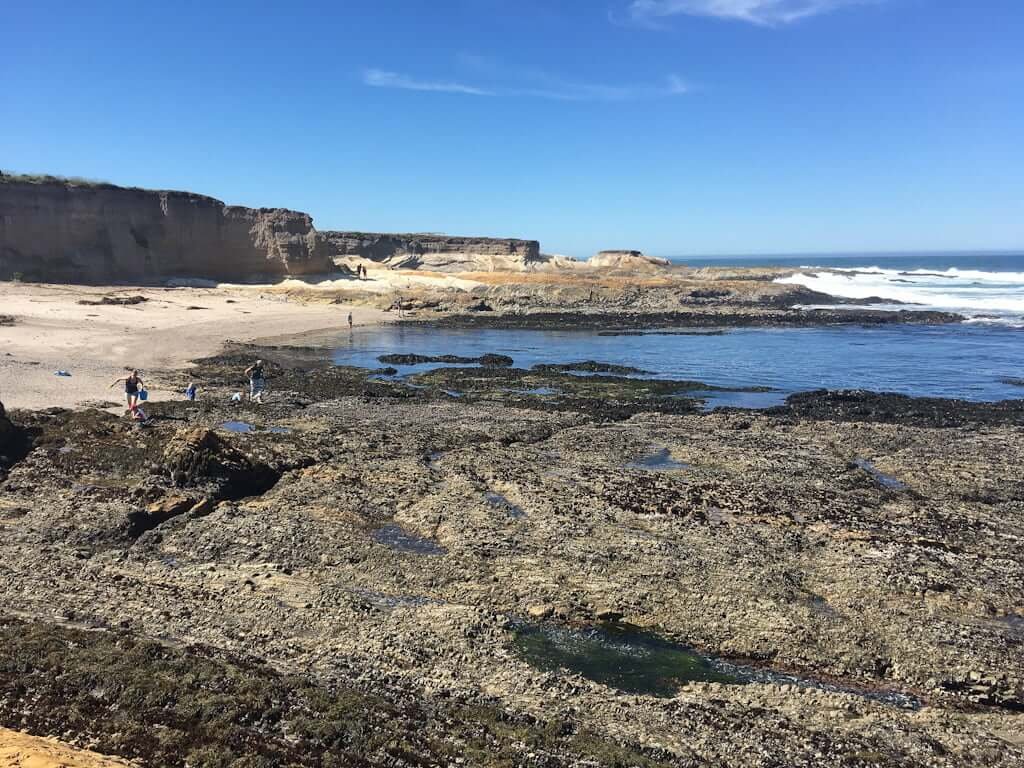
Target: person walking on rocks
[
  {"x": 257, "y": 381},
  {"x": 132, "y": 385}
]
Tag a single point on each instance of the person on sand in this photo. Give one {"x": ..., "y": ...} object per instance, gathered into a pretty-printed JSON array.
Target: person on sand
[
  {"x": 132, "y": 385},
  {"x": 350, "y": 321},
  {"x": 257, "y": 381},
  {"x": 190, "y": 391}
]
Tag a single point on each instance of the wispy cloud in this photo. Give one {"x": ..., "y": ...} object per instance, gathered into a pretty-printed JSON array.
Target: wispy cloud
[
  {"x": 379, "y": 78},
  {"x": 763, "y": 12},
  {"x": 531, "y": 84},
  {"x": 547, "y": 87}
]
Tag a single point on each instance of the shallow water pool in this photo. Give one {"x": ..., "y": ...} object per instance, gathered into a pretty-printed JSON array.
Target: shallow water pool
[{"x": 971, "y": 362}]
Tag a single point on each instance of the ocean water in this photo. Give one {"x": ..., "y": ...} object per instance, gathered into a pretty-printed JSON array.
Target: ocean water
[
  {"x": 981, "y": 359},
  {"x": 986, "y": 287},
  {"x": 972, "y": 362},
  {"x": 986, "y": 261}
]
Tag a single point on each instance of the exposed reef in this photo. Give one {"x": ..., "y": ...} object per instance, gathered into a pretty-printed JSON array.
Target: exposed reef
[
  {"x": 589, "y": 366},
  {"x": 491, "y": 360},
  {"x": 722, "y": 317},
  {"x": 379, "y": 570}
]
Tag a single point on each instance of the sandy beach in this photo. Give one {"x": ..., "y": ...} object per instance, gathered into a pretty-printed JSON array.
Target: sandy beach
[
  {"x": 20, "y": 750},
  {"x": 52, "y": 330}
]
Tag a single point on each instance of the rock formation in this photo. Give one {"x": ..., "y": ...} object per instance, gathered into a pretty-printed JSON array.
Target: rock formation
[
  {"x": 632, "y": 261},
  {"x": 14, "y": 441},
  {"x": 75, "y": 231},
  {"x": 441, "y": 253},
  {"x": 64, "y": 231}
]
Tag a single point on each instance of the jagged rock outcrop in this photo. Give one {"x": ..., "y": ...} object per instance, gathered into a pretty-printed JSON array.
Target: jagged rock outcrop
[
  {"x": 441, "y": 253},
  {"x": 65, "y": 231},
  {"x": 199, "y": 457},
  {"x": 632, "y": 261},
  {"x": 14, "y": 441}
]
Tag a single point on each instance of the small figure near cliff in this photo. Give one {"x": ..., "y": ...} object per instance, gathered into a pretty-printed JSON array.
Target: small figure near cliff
[
  {"x": 132, "y": 385},
  {"x": 257, "y": 381},
  {"x": 190, "y": 391}
]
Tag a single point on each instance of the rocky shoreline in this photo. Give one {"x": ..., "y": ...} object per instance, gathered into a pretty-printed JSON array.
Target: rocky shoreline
[
  {"x": 338, "y": 576},
  {"x": 723, "y": 317}
]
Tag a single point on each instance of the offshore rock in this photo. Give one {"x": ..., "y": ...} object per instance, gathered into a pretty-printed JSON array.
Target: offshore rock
[
  {"x": 633, "y": 261},
  {"x": 489, "y": 360},
  {"x": 62, "y": 231}
]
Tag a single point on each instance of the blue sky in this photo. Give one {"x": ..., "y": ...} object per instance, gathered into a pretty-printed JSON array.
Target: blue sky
[{"x": 673, "y": 126}]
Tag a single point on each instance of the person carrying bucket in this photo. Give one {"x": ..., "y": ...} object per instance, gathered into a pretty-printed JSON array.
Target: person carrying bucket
[{"x": 134, "y": 390}]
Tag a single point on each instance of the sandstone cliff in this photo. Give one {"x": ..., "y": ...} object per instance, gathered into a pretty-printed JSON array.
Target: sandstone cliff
[
  {"x": 631, "y": 261},
  {"x": 64, "y": 231},
  {"x": 442, "y": 253}
]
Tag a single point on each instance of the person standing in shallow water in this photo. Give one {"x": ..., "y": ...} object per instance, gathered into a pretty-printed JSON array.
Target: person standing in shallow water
[
  {"x": 350, "y": 321},
  {"x": 132, "y": 385},
  {"x": 257, "y": 381}
]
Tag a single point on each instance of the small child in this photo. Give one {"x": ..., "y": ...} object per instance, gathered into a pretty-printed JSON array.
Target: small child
[{"x": 190, "y": 393}]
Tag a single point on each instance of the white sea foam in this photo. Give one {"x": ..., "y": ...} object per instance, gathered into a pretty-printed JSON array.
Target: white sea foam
[
  {"x": 1013, "y": 278},
  {"x": 972, "y": 292}
]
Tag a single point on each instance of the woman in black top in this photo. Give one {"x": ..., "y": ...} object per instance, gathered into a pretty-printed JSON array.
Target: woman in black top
[{"x": 132, "y": 385}]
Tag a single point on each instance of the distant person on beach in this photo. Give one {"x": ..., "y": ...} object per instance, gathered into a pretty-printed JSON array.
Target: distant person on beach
[
  {"x": 257, "y": 381},
  {"x": 132, "y": 385},
  {"x": 350, "y": 321},
  {"x": 190, "y": 391}
]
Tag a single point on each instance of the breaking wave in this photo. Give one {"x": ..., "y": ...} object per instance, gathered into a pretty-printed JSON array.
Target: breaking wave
[{"x": 980, "y": 295}]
